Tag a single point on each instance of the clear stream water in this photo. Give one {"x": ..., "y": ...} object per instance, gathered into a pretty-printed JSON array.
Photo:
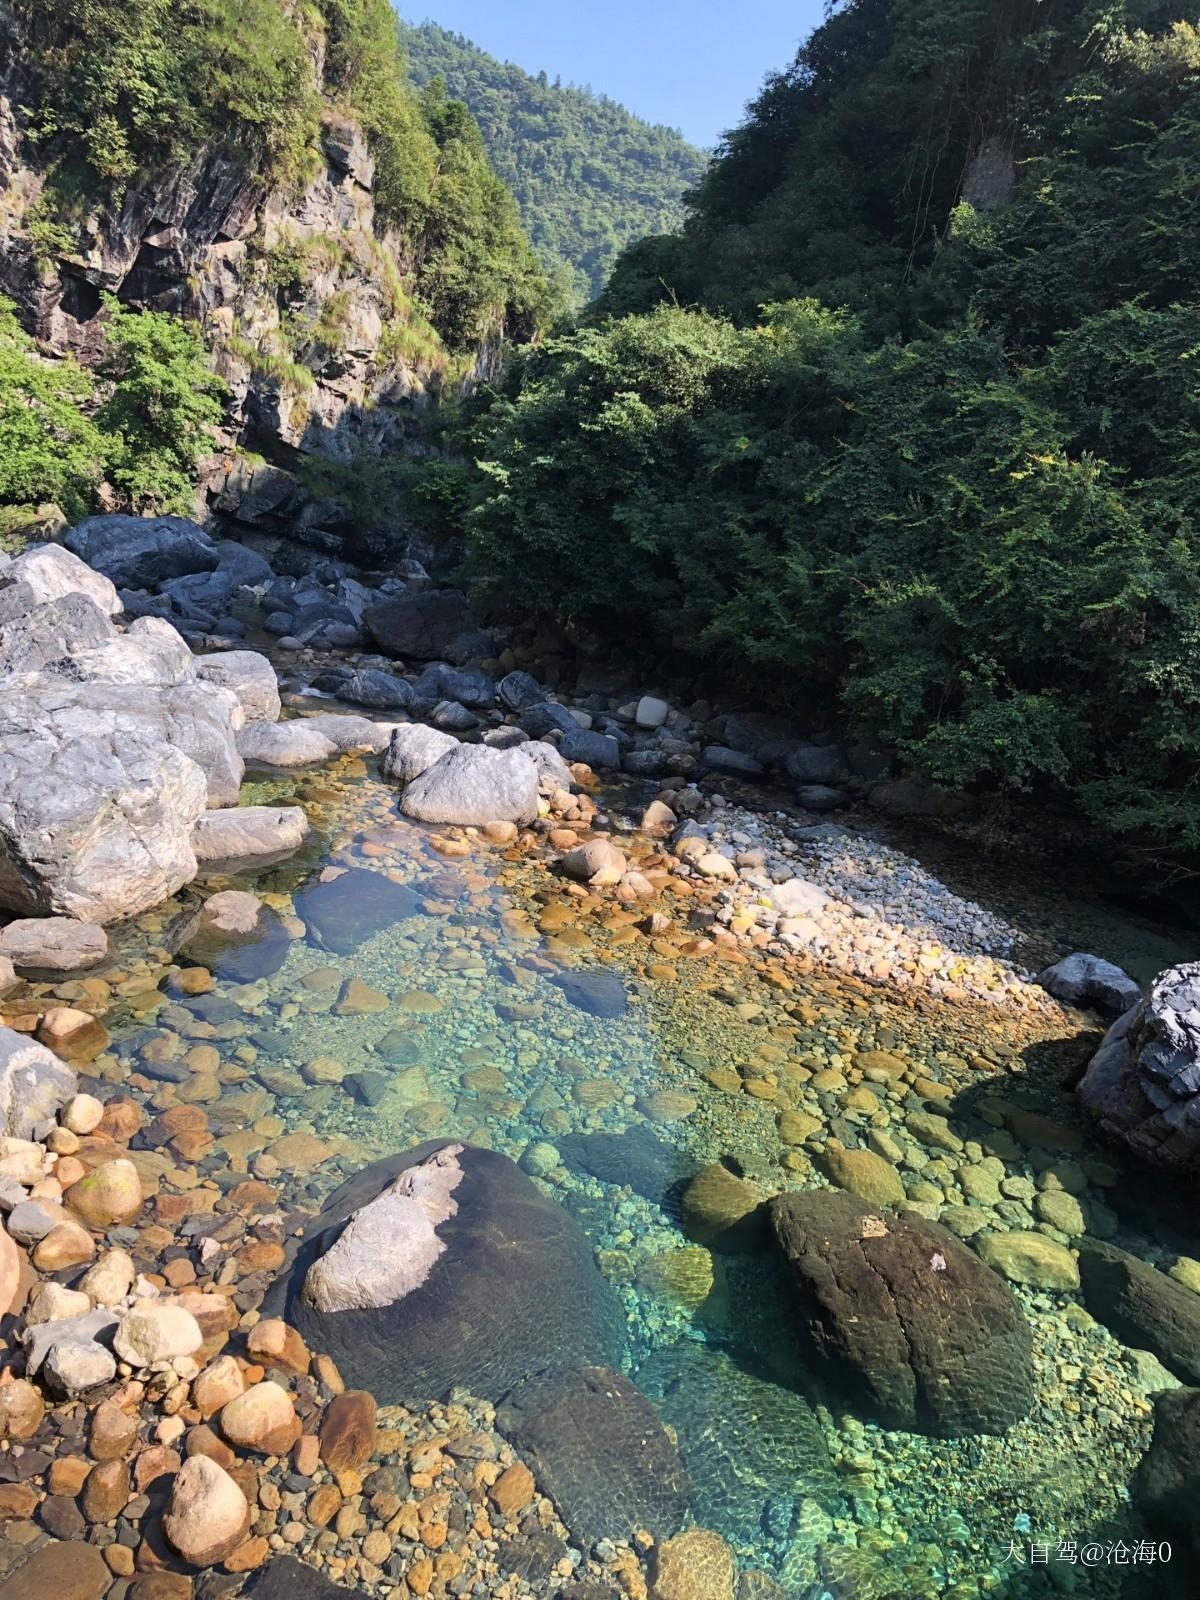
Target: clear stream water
[{"x": 474, "y": 1040}]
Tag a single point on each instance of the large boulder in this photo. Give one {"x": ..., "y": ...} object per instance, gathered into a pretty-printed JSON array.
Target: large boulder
[
  {"x": 53, "y": 944},
  {"x": 285, "y": 744},
  {"x": 442, "y": 682},
  {"x": 598, "y": 1449},
  {"x": 748, "y": 1444},
  {"x": 1086, "y": 980},
  {"x": 35, "y": 635},
  {"x": 339, "y": 913},
  {"x": 350, "y": 734},
  {"x": 1143, "y": 1083},
  {"x": 48, "y": 572},
  {"x": 446, "y": 1266},
  {"x": 247, "y": 834},
  {"x": 421, "y": 624},
  {"x": 96, "y": 809},
  {"x": 1142, "y": 1306},
  {"x": 34, "y": 1084},
  {"x": 250, "y": 676},
  {"x": 412, "y": 748},
  {"x": 151, "y": 654},
  {"x": 904, "y": 1321},
  {"x": 1166, "y": 1488},
  {"x": 474, "y": 784},
  {"x": 142, "y": 552},
  {"x": 369, "y": 686},
  {"x": 236, "y": 936}
]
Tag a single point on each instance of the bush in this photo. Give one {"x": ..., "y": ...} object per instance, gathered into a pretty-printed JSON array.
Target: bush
[{"x": 49, "y": 448}]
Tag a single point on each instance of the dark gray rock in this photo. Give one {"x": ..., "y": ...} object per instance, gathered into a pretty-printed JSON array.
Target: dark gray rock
[
  {"x": 1142, "y": 1306},
  {"x": 344, "y": 911},
  {"x": 43, "y": 633},
  {"x": 546, "y": 717},
  {"x": 1086, "y": 980},
  {"x": 488, "y": 1288},
  {"x": 142, "y": 552},
  {"x": 592, "y": 989},
  {"x": 440, "y": 682},
  {"x": 236, "y": 937},
  {"x": 816, "y": 763},
  {"x": 648, "y": 763},
  {"x": 597, "y": 1448},
  {"x": 732, "y": 763},
  {"x": 1166, "y": 1488},
  {"x": 821, "y": 797},
  {"x": 902, "y": 1320},
  {"x": 1143, "y": 1083},
  {"x": 747, "y": 1443},
  {"x": 285, "y": 1578},
  {"x": 369, "y": 686},
  {"x": 419, "y": 624},
  {"x": 517, "y": 691},
  {"x": 450, "y": 717},
  {"x": 599, "y": 750},
  {"x": 637, "y": 1157}
]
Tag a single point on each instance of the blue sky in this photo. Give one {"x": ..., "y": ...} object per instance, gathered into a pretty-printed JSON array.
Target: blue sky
[{"x": 692, "y": 64}]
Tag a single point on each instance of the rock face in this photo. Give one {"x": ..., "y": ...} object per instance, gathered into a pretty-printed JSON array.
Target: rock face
[
  {"x": 1143, "y": 1307},
  {"x": 36, "y": 636},
  {"x": 1167, "y": 1486},
  {"x": 53, "y": 944},
  {"x": 1087, "y": 980},
  {"x": 598, "y": 1449},
  {"x": 34, "y": 1083},
  {"x": 903, "y": 1319},
  {"x": 747, "y": 1443},
  {"x": 48, "y": 571},
  {"x": 473, "y": 784},
  {"x": 464, "y": 1275},
  {"x": 1143, "y": 1083}
]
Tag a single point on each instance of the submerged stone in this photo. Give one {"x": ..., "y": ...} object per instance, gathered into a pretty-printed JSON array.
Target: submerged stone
[
  {"x": 599, "y": 993},
  {"x": 343, "y": 912}
]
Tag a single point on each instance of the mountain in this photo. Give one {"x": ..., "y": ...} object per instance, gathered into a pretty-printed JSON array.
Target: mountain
[
  {"x": 901, "y": 428},
  {"x": 588, "y": 175}
]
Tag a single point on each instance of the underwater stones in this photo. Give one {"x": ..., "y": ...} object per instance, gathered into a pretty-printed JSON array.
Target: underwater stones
[
  {"x": 34, "y": 1083},
  {"x": 349, "y": 1432},
  {"x": 1143, "y": 1083},
  {"x": 339, "y": 913},
  {"x": 903, "y": 1319},
  {"x": 1030, "y": 1258},
  {"x": 599, "y": 1450},
  {"x": 684, "y": 1275},
  {"x": 249, "y": 833},
  {"x": 249, "y": 675},
  {"x": 1087, "y": 980},
  {"x": 235, "y": 936},
  {"x": 53, "y": 944},
  {"x": 746, "y": 1442},
  {"x": 696, "y": 1565},
  {"x": 723, "y": 1211},
  {"x": 497, "y": 1284},
  {"x": 593, "y": 989},
  {"x": 667, "y": 1105},
  {"x": 64, "y": 1569},
  {"x": 863, "y": 1173},
  {"x": 1143, "y": 1307},
  {"x": 637, "y": 1157},
  {"x": 474, "y": 784}
]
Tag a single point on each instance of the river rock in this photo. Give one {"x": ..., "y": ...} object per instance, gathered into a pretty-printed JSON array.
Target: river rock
[
  {"x": 351, "y": 734},
  {"x": 421, "y": 624},
  {"x": 597, "y": 750},
  {"x": 474, "y": 784},
  {"x": 747, "y": 1443},
  {"x": 599, "y": 1450},
  {"x": 413, "y": 747},
  {"x": 98, "y": 804},
  {"x": 262, "y": 1418},
  {"x": 152, "y": 654},
  {"x": 598, "y": 862},
  {"x": 257, "y": 834},
  {"x": 696, "y": 1565},
  {"x": 142, "y": 552},
  {"x": 637, "y": 1157},
  {"x": 152, "y": 1333},
  {"x": 342, "y": 912},
  {"x": 250, "y": 676},
  {"x": 236, "y": 937},
  {"x": 61, "y": 1570},
  {"x": 53, "y": 944},
  {"x": 34, "y": 1084},
  {"x": 1143, "y": 1083},
  {"x": 442, "y": 682},
  {"x": 1166, "y": 1488},
  {"x": 108, "y": 1196},
  {"x": 517, "y": 691},
  {"x": 863, "y": 1173},
  {"x": 75, "y": 1366},
  {"x": 207, "y": 1516},
  {"x": 40, "y": 635},
  {"x": 369, "y": 686},
  {"x": 295, "y": 743},
  {"x": 444, "y": 1267},
  {"x": 903, "y": 1320},
  {"x": 723, "y": 1212},
  {"x": 1142, "y": 1306},
  {"x": 50, "y": 571},
  {"x": 592, "y": 989},
  {"x": 1087, "y": 980}
]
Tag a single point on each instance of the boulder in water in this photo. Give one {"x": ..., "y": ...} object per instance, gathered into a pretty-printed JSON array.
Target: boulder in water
[
  {"x": 906, "y": 1323},
  {"x": 446, "y": 1266},
  {"x": 1087, "y": 980},
  {"x": 474, "y": 784},
  {"x": 341, "y": 912},
  {"x": 592, "y": 989},
  {"x": 53, "y": 944},
  {"x": 1143, "y": 1083},
  {"x": 250, "y": 676},
  {"x": 235, "y": 936},
  {"x": 248, "y": 835},
  {"x": 34, "y": 1084},
  {"x": 285, "y": 744},
  {"x": 1166, "y": 1488},
  {"x": 1142, "y": 1306}
]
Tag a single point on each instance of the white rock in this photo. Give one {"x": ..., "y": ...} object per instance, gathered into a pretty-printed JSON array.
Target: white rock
[
  {"x": 250, "y": 676},
  {"x": 207, "y": 1515},
  {"x": 82, "y": 1114},
  {"x": 238, "y": 833},
  {"x": 651, "y": 712},
  {"x": 34, "y": 1083},
  {"x": 149, "y": 1334}
]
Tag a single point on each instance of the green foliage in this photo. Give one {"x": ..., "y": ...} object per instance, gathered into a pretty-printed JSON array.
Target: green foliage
[
  {"x": 162, "y": 408},
  {"x": 588, "y": 176},
  {"x": 962, "y": 512},
  {"x": 49, "y": 448}
]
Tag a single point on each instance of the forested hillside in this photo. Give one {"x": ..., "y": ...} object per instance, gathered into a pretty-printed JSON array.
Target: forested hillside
[
  {"x": 901, "y": 428},
  {"x": 588, "y": 175}
]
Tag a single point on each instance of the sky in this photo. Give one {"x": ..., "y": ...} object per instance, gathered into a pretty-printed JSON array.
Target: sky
[{"x": 692, "y": 64}]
